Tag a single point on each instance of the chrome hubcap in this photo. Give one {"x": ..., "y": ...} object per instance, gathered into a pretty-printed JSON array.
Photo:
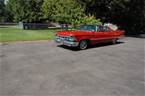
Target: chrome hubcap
[{"x": 83, "y": 45}]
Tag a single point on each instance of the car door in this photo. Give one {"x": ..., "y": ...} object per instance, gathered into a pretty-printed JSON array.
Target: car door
[
  {"x": 93, "y": 34},
  {"x": 100, "y": 34}
]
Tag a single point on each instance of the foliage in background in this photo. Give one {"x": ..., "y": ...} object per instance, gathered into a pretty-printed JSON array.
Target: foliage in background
[
  {"x": 25, "y": 10},
  {"x": 2, "y": 10},
  {"x": 63, "y": 11},
  {"x": 87, "y": 20}
]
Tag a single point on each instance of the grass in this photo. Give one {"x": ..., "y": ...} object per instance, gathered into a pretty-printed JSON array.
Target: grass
[{"x": 10, "y": 34}]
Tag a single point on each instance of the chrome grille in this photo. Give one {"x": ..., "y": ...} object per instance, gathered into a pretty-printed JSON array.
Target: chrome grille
[{"x": 63, "y": 37}]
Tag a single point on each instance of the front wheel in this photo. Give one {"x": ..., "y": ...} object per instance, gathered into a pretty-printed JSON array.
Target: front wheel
[{"x": 83, "y": 44}]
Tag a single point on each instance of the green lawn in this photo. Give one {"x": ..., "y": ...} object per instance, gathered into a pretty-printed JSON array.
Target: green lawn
[{"x": 10, "y": 34}]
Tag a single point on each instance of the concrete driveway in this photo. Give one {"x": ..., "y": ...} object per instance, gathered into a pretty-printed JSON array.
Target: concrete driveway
[{"x": 42, "y": 69}]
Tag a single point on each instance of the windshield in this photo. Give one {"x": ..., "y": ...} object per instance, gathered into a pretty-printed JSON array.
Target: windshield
[{"x": 87, "y": 27}]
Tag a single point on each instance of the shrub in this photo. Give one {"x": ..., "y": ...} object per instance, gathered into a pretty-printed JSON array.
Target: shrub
[{"x": 86, "y": 20}]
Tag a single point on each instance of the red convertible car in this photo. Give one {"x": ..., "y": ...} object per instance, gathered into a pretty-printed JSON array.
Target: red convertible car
[{"x": 88, "y": 35}]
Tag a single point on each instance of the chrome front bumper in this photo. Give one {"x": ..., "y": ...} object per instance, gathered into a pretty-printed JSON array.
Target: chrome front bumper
[{"x": 67, "y": 43}]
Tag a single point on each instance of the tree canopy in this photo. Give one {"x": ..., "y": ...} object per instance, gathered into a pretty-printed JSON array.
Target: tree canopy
[
  {"x": 25, "y": 10},
  {"x": 62, "y": 10},
  {"x": 2, "y": 9}
]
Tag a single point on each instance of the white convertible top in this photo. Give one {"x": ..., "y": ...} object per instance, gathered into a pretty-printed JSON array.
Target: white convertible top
[{"x": 112, "y": 26}]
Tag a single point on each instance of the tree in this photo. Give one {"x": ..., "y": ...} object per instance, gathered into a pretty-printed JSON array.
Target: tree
[
  {"x": 2, "y": 10},
  {"x": 86, "y": 20},
  {"x": 129, "y": 15},
  {"x": 63, "y": 11},
  {"x": 25, "y": 10}
]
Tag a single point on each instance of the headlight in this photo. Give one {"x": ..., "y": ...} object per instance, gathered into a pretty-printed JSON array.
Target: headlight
[{"x": 71, "y": 38}]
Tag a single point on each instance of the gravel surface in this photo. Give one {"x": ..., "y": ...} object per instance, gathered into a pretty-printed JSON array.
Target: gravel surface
[{"x": 44, "y": 69}]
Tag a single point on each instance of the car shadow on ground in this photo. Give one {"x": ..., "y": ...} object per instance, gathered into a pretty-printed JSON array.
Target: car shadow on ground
[{"x": 99, "y": 45}]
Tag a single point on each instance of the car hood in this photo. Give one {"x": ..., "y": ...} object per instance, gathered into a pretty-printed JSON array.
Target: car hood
[{"x": 73, "y": 33}]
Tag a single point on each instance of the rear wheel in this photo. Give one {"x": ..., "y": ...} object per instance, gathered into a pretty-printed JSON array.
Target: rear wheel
[{"x": 83, "y": 44}]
